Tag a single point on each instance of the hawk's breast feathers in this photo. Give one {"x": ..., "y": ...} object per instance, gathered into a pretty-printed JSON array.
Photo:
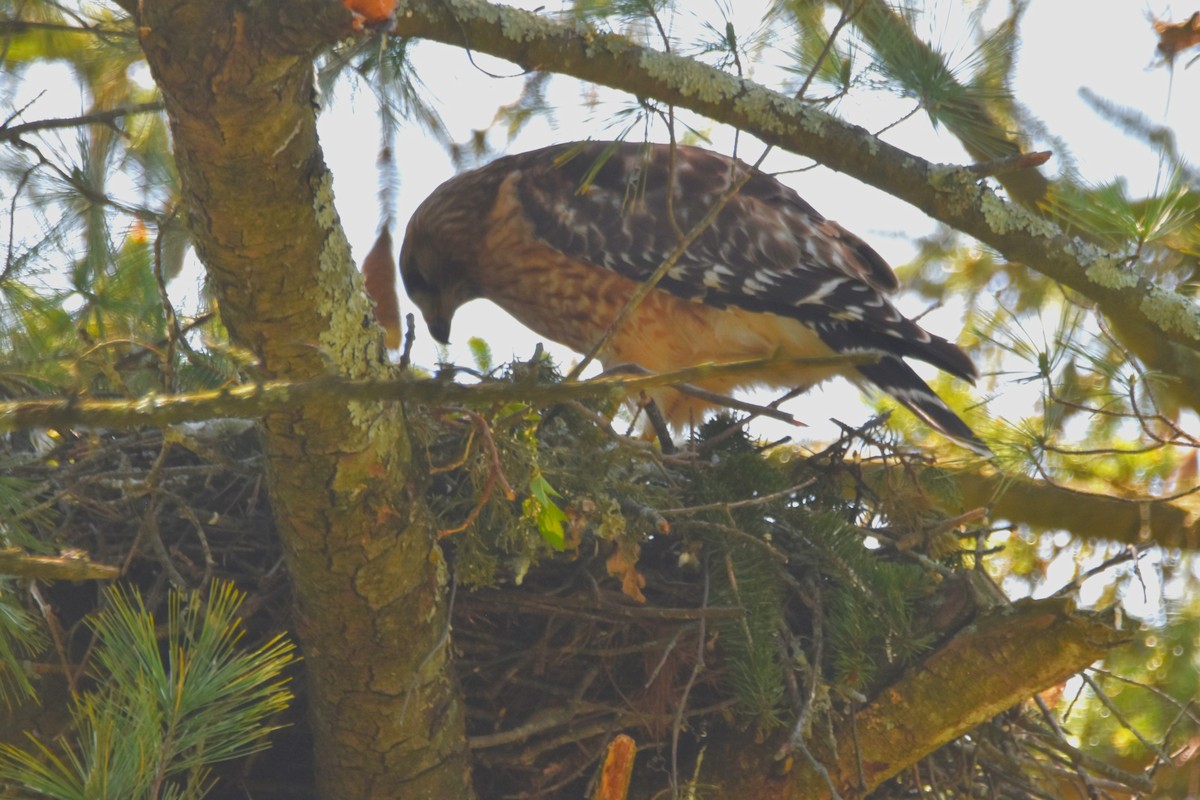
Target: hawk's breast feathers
[{"x": 561, "y": 237}]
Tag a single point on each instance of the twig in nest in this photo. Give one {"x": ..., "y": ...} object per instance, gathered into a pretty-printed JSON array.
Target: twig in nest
[
  {"x": 436, "y": 469},
  {"x": 188, "y": 513},
  {"x": 712, "y": 441},
  {"x": 659, "y": 423},
  {"x": 604, "y": 425},
  {"x": 1080, "y": 770},
  {"x": 601, "y": 609},
  {"x": 697, "y": 668},
  {"x": 730, "y": 530},
  {"x": 148, "y": 530},
  {"x": 711, "y": 397},
  {"x": 410, "y": 336},
  {"x": 811, "y": 596},
  {"x": 662, "y": 661},
  {"x": 54, "y": 625},
  {"x": 495, "y": 474},
  {"x": 72, "y": 565},
  {"x": 150, "y": 533},
  {"x": 749, "y": 501}
]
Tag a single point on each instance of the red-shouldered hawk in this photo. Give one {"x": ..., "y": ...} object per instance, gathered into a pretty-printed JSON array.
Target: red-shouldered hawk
[{"x": 561, "y": 237}]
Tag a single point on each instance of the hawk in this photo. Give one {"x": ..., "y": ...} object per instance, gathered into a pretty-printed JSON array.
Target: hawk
[{"x": 561, "y": 237}]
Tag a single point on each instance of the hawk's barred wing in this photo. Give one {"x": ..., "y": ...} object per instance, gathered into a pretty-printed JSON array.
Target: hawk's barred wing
[{"x": 768, "y": 250}]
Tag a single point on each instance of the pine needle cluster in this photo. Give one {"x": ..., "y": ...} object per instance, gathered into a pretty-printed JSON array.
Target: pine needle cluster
[{"x": 166, "y": 705}]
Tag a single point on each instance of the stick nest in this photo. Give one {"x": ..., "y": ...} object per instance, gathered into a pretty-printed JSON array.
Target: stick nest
[{"x": 600, "y": 587}]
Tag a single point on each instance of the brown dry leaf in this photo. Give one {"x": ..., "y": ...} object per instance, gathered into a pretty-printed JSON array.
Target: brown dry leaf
[
  {"x": 379, "y": 275},
  {"x": 1174, "y": 38},
  {"x": 623, "y": 563}
]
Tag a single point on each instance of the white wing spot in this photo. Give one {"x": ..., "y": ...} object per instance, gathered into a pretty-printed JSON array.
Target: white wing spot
[{"x": 819, "y": 294}]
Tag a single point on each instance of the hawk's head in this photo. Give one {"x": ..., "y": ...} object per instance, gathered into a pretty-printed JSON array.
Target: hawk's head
[
  {"x": 439, "y": 258},
  {"x": 434, "y": 283}
]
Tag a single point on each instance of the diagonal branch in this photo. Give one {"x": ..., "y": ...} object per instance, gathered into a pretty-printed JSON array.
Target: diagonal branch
[
  {"x": 10, "y": 26},
  {"x": 1094, "y": 515},
  {"x": 993, "y": 664}
]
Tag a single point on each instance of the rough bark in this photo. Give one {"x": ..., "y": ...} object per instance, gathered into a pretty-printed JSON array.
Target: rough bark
[
  {"x": 237, "y": 82},
  {"x": 1006, "y": 656}
]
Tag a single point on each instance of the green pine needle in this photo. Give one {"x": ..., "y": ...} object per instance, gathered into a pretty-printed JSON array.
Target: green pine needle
[
  {"x": 165, "y": 711},
  {"x": 20, "y": 639}
]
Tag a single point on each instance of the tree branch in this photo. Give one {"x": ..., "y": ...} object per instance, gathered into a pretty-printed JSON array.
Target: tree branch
[
  {"x": 74, "y": 566},
  {"x": 946, "y": 193},
  {"x": 998, "y": 661},
  {"x": 258, "y": 400},
  {"x": 8, "y": 133},
  {"x": 1086, "y": 514},
  {"x": 11, "y": 27}
]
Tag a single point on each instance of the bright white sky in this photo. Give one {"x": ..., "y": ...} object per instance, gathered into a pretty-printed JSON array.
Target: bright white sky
[{"x": 1104, "y": 45}]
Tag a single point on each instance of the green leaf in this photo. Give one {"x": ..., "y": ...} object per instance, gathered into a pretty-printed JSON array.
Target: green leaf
[{"x": 541, "y": 509}]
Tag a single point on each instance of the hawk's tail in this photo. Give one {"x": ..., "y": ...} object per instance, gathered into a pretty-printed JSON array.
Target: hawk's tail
[{"x": 899, "y": 380}]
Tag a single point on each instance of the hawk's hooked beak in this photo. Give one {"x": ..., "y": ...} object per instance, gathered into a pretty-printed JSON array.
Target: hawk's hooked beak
[{"x": 439, "y": 329}]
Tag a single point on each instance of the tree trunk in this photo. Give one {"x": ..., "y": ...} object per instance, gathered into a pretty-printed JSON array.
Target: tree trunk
[{"x": 237, "y": 80}]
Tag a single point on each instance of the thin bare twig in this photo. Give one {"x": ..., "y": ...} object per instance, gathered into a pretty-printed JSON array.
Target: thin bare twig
[
  {"x": 677, "y": 725},
  {"x": 714, "y": 398},
  {"x": 495, "y": 474},
  {"x": 107, "y": 117},
  {"x": 749, "y": 501},
  {"x": 1103, "y": 697},
  {"x": 1004, "y": 166}
]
